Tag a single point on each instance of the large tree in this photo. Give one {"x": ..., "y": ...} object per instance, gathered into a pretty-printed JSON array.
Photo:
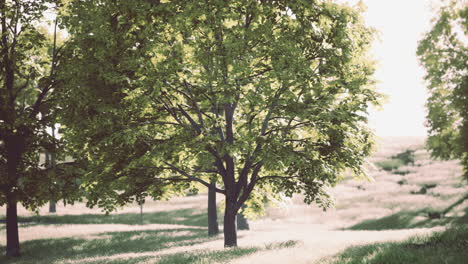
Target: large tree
[
  {"x": 443, "y": 52},
  {"x": 258, "y": 96},
  {"x": 30, "y": 58},
  {"x": 108, "y": 54}
]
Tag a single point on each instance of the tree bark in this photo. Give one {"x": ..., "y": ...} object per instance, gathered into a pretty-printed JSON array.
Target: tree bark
[
  {"x": 230, "y": 233},
  {"x": 14, "y": 146},
  {"x": 242, "y": 223},
  {"x": 50, "y": 163},
  {"x": 13, "y": 247},
  {"x": 141, "y": 213},
  {"x": 213, "y": 228},
  {"x": 53, "y": 163},
  {"x": 52, "y": 207}
]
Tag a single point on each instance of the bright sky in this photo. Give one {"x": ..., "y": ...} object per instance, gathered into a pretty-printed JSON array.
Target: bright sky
[{"x": 401, "y": 24}]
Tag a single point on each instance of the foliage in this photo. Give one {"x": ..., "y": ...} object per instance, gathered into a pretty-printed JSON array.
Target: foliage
[
  {"x": 109, "y": 62},
  {"x": 264, "y": 97},
  {"x": 31, "y": 58},
  {"x": 443, "y": 52}
]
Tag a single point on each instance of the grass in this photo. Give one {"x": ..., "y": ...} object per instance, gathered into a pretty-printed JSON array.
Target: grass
[
  {"x": 139, "y": 246},
  {"x": 221, "y": 255},
  {"x": 131, "y": 247},
  {"x": 409, "y": 219},
  {"x": 81, "y": 235},
  {"x": 447, "y": 247},
  {"x": 189, "y": 217},
  {"x": 106, "y": 244}
]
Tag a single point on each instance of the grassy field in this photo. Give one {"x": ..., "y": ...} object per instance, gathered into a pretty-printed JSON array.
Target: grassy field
[{"x": 413, "y": 212}]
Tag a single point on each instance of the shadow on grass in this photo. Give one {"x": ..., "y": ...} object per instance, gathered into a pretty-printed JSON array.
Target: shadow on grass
[
  {"x": 106, "y": 247},
  {"x": 106, "y": 244},
  {"x": 443, "y": 247},
  {"x": 408, "y": 219},
  {"x": 190, "y": 217}
]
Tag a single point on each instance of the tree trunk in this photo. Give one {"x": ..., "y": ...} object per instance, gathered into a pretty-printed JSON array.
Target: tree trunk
[
  {"x": 50, "y": 163},
  {"x": 52, "y": 207},
  {"x": 141, "y": 213},
  {"x": 213, "y": 228},
  {"x": 14, "y": 146},
  {"x": 13, "y": 247},
  {"x": 242, "y": 223},
  {"x": 53, "y": 163},
  {"x": 230, "y": 233}
]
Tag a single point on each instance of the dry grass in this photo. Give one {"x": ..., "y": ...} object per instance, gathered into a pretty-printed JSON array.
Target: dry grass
[{"x": 391, "y": 208}]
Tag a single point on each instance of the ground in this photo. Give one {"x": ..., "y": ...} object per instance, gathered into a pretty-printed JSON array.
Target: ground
[{"x": 397, "y": 215}]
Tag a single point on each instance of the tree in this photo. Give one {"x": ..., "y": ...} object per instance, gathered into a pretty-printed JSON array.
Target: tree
[
  {"x": 443, "y": 52},
  {"x": 108, "y": 55},
  {"x": 29, "y": 62},
  {"x": 268, "y": 96}
]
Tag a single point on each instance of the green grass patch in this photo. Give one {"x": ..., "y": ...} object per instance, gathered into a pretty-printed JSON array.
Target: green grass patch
[
  {"x": 407, "y": 157},
  {"x": 401, "y": 172},
  {"x": 441, "y": 247},
  {"x": 189, "y": 217},
  {"x": 106, "y": 244},
  {"x": 404, "y": 158},
  {"x": 410, "y": 219},
  {"x": 389, "y": 165}
]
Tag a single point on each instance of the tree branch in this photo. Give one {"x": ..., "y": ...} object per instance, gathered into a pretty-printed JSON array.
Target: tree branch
[
  {"x": 276, "y": 177},
  {"x": 193, "y": 178}
]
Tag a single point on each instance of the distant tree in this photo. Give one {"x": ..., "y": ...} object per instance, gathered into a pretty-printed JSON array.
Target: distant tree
[
  {"x": 213, "y": 228},
  {"x": 443, "y": 52},
  {"x": 269, "y": 96},
  {"x": 242, "y": 223},
  {"x": 30, "y": 58}
]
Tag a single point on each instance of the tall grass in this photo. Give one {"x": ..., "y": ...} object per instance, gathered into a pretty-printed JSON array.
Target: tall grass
[{"x": 448, "y": 247}]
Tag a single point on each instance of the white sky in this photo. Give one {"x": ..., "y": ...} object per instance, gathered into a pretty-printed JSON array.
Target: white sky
[{"x": 401, "y": 24}]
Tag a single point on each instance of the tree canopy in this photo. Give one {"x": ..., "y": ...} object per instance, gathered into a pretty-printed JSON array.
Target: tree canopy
[
  {"x": 261, "y": 95},
  {"x": 443, "y": 52}
]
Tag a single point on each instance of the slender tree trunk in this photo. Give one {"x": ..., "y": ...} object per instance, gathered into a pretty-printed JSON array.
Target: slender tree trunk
[
  {"x": 14, "y": 146},
  {"x": 13, "y": 247},
  {"x": 230, "y": 233},
  {"x": 49, "y": 160},
  {"x": 242, "y": 223},
  {"x": 213, "y": 228},
  {"x": 52, "y": 207},
  {"x": 53, "y": 163},
  {"x": 141, "y": 213}
]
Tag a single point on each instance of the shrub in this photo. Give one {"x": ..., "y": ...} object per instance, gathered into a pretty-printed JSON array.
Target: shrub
[{"x": 389, "y": 165}]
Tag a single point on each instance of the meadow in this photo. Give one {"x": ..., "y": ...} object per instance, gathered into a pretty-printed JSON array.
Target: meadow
[{"x": 413, "y": 211}]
